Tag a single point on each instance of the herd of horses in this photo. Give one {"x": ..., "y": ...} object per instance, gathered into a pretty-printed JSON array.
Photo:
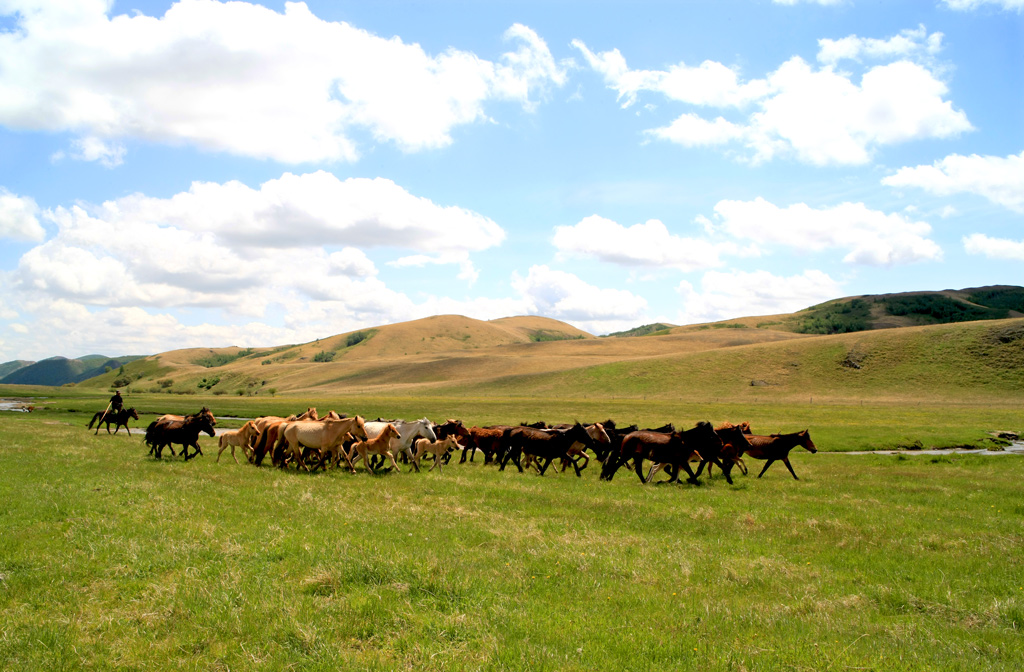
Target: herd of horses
[{"x": 311, "y": 442}]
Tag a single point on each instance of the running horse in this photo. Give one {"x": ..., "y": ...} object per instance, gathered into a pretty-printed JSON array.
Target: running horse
[
  {"x": 777, "y": 447},
  {"x": 169, "y": 430},
  {"x": 119, "y": 418}
]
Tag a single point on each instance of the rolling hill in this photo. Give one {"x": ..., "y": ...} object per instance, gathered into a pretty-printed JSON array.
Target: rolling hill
[{"x": 934, "y": 356}]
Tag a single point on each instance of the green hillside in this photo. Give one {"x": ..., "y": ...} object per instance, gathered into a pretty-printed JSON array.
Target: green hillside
[
  {"x": 57, "y": 371},
  {"x": 954, "y": 361},
  {"x": 7, "y": 368}
]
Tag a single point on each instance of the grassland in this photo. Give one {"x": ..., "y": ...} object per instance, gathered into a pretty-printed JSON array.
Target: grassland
[{"x": 110, "y": 560}]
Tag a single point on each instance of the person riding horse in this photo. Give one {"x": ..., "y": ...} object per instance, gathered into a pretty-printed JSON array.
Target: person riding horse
[{"x": 116, "y": 402}]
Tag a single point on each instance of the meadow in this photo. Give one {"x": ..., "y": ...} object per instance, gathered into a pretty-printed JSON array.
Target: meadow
[{"x": 112, "y": 560}]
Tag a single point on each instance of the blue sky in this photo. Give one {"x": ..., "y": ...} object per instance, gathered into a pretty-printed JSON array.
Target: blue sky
[{"x": 209, "y": 174}]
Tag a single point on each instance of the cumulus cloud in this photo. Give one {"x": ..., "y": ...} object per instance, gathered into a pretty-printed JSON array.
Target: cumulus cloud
[
  {"x": 1000, "y": 180},
  {"x": 244, "y": 79},
  {"x": 820, "y": 116},
  {"x": 725, "y": 295},
  {"x": 18, "y": 218},
  {"x": 230, "y": 244},
  {"x": 870, "y": 236},
  {"x": 968, "y": 5},
  {"x": 994, "y": 248},
  {"x": 564, "y": 296},
  {"x": 648, "y": 245},
  {"x": 909, "y": 43}
]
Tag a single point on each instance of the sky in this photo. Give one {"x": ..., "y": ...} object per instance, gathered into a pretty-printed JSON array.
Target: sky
[{"x": 206, "y": 174}]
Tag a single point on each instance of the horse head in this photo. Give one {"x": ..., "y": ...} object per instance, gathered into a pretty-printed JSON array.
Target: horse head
[
  {"x": 805, "y": 441},
  {"x": 359, "y": 428},
  {"x": 133, "y": 413}
]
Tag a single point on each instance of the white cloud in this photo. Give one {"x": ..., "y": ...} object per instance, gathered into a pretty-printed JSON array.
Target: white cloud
[
  {"x": 648, "y": 245},
  {"x": 1000, "y": 180},
  {"x": 18, "y": 218},
  {"x": 726, "y": 295},
  {"x": 968, "y": 5},
  {"x": 231, "y": 245},
  {"x": 710, "y": 83},
  {"x": 564, "y": 296},
  {"x": 872, "y": 237},
  {"x": 909, "y": 43},
  {"x": 691, "y": 130},
  {"x": 109, "y": 154},
  {"x": 244, "y": 79},
  {"x": 819, "y": 116},
  {"x": 994, "y": 248}
]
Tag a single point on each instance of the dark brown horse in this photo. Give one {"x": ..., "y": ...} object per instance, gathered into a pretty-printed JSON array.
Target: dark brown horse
[
  {"x": 669, "y": 449},
  {"x": 163, "y": 433},
  {"x": 546, "y": 445},
  {"x": 777, "y": 447},
  {"x": 120, "y": 419}
]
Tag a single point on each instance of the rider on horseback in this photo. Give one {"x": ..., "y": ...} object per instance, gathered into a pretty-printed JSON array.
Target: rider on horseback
[{"x": 116, "y": 402}]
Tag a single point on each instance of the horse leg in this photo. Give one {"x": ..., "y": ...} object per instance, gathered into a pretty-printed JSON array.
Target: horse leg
[
  {"x": 728, "y": 478},
  {"x": 638, "y": 466},
  {"x": 693, "y": 477},
  {"x": 789, "y": 466},
  {"x": 576, "y": 465},
  {"x": 766, "y": 465},
  {"x": 700, "y": 468},
  {"x": 655, "y": 468},
  {"x": 232, "y": 454},
  {"x": 547, "y": 463},
  {"x": 415, "y": 463},
  {"x": 742, "y": 465},
  {"x": 393, "y": 462}
]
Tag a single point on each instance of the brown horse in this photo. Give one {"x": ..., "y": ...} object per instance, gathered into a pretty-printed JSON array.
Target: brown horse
[
  {"x": 242, "y": 437},
  {"x": 163, "y": 433},
  {"x": 670, "y": 449},
  {"x": 777, "y": 447}
]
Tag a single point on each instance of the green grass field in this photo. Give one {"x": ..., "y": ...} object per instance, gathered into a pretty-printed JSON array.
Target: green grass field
[{"x": 111, "y": 560}]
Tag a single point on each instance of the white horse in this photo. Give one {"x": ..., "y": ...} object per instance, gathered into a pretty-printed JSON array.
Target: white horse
[{"x": 407, "y": 433}]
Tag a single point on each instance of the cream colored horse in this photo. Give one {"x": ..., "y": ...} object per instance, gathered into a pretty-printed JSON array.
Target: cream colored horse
[
  {"x": 321, "y": 435},
  {"x": 438, "y": 448},
  {"x": 242, "y": 438}
]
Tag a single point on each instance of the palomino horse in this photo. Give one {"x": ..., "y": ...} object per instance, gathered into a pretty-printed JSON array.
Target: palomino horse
[
  {"x": 321, "y": 435},
  {"x": 242, "y": 437},
  {"x": 119, "y": 418},
  {"x": 777, "y": 447},
  {"x": 185, "y": 431},
  {"x": 440, "y": 449}
]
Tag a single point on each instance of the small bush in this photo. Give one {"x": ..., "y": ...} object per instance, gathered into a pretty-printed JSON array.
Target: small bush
[
  {"x": 220, "y": 392},
  {"x": 165, "y": 383},
  {"x": 357, "y": 337},
  {"x": 265, "y": 362},
  {"x": 240, "y": 392},
  {"x": 324, "y": 356}
]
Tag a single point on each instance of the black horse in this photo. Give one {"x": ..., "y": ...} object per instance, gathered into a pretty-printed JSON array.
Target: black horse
[
  {"x": 119, "y": 417},
  {"x": 185, "y": 432}
]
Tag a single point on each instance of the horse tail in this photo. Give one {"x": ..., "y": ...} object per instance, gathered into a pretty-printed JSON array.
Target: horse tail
[
  {"x": 261, "y": 447},
  {"x": 151, "y": 434}
]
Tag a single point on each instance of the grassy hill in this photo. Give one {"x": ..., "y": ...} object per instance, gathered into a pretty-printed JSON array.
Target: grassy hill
[
  {"x": 7, "y": 368},
  {"x": 61, "y": 370}
]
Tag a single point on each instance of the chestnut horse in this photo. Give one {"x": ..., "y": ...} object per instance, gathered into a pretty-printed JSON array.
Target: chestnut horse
[{"x": 777, "y": 447}]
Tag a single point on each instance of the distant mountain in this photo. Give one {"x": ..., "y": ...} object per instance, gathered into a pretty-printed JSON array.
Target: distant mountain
[
  {"x": 61, "y": 370},
  {"x": 7, "y": 368}
]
